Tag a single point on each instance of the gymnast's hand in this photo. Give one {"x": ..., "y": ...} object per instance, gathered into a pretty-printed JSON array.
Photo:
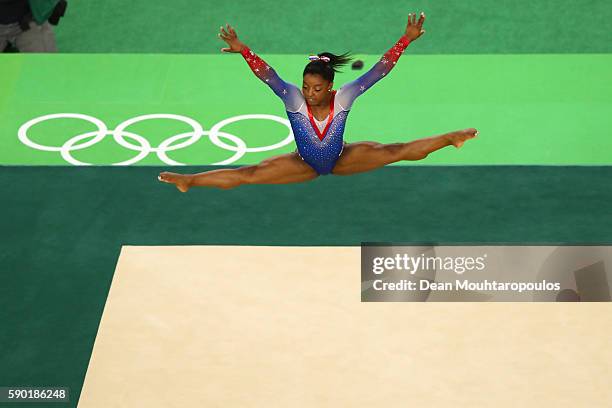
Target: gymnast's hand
[
  {"x": 228, "y": 34},
  {"x": 414, "y": 29}
]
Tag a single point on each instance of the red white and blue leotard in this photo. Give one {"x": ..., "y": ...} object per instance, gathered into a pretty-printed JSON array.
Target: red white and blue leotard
[{"x": 320, "y": 143}]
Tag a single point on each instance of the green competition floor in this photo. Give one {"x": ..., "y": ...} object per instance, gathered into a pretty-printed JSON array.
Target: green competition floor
[{"x": 529, "y": 109}]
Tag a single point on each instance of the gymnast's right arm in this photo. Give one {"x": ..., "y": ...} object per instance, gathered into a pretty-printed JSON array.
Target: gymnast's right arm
[{"x": 289, "y": 93}]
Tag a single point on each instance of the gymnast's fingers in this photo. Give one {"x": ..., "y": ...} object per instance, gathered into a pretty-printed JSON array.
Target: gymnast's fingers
[
  {"x": 421, "y": 20},
  {"x": 232, "y": 31},
  {"x": 229, "y": 31},
  {"x": 223, "y": 32}
]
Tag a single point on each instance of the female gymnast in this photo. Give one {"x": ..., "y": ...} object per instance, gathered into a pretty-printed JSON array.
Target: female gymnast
[{"x": 318, "y": 115}]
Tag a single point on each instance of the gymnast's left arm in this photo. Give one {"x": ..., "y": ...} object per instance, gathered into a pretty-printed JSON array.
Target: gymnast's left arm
[{"x": 349, "y": 92}]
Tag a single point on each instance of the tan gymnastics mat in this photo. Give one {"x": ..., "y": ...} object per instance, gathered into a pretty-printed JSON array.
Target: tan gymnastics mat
[{"x": 224, "y": 326}]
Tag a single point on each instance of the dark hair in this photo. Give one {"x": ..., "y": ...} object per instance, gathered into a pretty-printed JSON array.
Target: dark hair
[{"x": 327, "y": 69}]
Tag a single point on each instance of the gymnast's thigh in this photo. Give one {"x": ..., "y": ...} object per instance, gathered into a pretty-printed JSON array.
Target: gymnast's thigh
[
  {"x": 285, "y": 168},
  {"x": 356, "y": 156}
]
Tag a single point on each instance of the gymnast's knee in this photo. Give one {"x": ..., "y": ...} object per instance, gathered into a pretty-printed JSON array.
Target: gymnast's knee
[
  {"x": 240, "y": 176},
  {"x": 393, "y": 152},
  {"x": 248, "y": 174}
]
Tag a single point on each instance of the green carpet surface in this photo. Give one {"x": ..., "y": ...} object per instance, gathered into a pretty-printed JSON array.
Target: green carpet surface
[{"x": 288, "y": 27}]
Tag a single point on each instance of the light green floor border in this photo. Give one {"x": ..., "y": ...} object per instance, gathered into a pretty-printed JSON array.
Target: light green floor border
[{"x": 529, "y": 109}]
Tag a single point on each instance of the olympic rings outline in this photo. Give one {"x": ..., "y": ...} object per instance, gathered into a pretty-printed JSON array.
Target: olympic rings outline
[{"x": 144, "y": 148}]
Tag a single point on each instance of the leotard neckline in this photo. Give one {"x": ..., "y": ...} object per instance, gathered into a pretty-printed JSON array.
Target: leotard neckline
[{"x": 321, "y": 135}]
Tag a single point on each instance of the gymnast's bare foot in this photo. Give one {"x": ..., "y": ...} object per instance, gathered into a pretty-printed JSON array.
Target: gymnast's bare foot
[
  {"x": 459, "y": 137},
  {"x": 182, "y": 181}
]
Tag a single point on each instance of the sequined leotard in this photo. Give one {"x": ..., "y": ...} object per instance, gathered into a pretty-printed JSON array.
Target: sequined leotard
[{"x": 320, "y": 144}]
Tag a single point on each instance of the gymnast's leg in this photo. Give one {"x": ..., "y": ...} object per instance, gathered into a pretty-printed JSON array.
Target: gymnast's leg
[
  {"x": 283, "y": 169},
  {"x": 366, "y": 156}
]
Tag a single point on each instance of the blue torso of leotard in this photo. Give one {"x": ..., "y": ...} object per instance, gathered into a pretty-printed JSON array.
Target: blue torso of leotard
[{"x": 321, "y": 155}]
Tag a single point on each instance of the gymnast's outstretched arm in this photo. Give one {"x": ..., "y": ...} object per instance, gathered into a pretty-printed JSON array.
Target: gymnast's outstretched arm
[
  {"x": 289, "y": 93},
  {"x": 349, "y": 92}
]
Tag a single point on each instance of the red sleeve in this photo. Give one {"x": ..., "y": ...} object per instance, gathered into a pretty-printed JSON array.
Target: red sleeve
[
  {"x": 394, "y": 53},
  {"x": 257, "y": 65}
]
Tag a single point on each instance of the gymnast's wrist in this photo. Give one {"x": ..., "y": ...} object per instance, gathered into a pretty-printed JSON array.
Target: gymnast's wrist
[
  {"x": 405, "y": 40},
  {"x": 244, "y": 49}
]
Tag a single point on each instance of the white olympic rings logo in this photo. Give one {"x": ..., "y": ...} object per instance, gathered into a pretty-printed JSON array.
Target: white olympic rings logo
[{"x": 143, "y": 147}]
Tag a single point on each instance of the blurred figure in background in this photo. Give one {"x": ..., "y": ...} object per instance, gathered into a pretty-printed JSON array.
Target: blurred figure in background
[{"x": 25, "y": 25}]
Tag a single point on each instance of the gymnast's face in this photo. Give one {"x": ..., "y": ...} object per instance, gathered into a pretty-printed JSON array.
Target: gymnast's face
[{"x": 316, "y": 89}]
